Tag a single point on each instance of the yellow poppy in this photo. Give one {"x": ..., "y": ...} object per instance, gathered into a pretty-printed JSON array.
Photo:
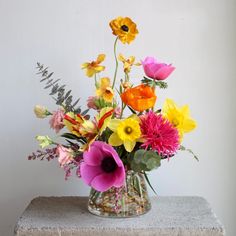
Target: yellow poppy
[
  {"x": 104, "y": 89},
  {"x": 94, "y": 67},
  {"x": 179, "y": 117},
  {"x": 124, "y": 28},
  {"x": 128, "y": 62}
]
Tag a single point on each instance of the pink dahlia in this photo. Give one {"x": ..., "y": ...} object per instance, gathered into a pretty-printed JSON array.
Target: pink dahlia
[
  {"x": 156, "y": 70},
  {"x": 159, "y": 134},
  {"x": 102, "y": 168},
  {"x": 56, "y": 121}
]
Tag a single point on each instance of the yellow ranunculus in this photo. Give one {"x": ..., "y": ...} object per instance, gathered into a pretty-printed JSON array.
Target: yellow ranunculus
[
  {"x": 128, "y": 62},
  {"x": 124, "y": 28},
  {"x": 105, "y": 90},
  {"x": 179, "y": 117},
  {"x": 125, "y": 132},
  {"x": 94, "y": 67}
]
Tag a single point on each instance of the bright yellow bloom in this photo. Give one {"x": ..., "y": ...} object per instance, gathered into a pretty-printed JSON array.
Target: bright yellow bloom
[
  {"x": 125, "y": 132},
  {"x": 179, "y": 117},
  {"x": 124, "y": 28},
  {"x": 128, "y": 62},
  {"x": 94, "y": 67},
  {"x": 105, "y": 90}
]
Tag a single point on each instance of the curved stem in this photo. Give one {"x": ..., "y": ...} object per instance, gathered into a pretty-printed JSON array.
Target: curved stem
[{"x": 114, "y": 79}]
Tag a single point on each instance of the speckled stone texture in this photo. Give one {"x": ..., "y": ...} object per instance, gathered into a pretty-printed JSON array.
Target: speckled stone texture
[{"x": 68, "y": 216}]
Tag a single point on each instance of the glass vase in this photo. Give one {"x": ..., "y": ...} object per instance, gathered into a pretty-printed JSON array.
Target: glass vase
[{"x": 127, "y": 201}]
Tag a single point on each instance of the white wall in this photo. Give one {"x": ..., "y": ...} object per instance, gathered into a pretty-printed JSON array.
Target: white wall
[{"x": 197, "y": 36}]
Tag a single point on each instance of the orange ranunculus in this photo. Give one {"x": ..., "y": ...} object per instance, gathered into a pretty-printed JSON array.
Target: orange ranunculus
[{"x": 140, "y": 98}]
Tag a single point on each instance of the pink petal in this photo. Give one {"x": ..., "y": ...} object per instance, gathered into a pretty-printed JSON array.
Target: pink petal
[
  {"x": 149, "y": 60},
  {"x": 88, "y": 173},
  {"x": 94, "y": 156},
  {"x": 110, "y": 151},
  {"x": 148, "y": 71},
  {"x": 103, "y": 182},
  {"x": 164, "y": 72},
  {"x": 120, "y": 177}
]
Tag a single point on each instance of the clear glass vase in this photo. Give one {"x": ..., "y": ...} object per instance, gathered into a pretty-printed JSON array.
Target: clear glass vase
[{"x": 127, "y": 201}]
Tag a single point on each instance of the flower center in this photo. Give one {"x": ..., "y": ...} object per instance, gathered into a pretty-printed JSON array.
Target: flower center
[
  {"x": 175, "y": 122},
  {"x": 125, "y": 28},
  {"x": 108, "y": 164},
  {"x": 128, "y": 130}
]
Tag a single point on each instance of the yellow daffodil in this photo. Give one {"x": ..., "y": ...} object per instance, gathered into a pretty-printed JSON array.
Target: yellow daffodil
[
  {"x": 105, "y": 90},
  {"x": 125, "y": 132},
  {"x": 179, "y": 117},
  {"x": 128, "y": 62},
  {"x": 124, "y": 28},
  {"x": 94, "y": 67}
]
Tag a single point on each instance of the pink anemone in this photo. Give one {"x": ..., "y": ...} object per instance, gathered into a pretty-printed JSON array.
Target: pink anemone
[
  {"x": 156, "y": 70},
  {"x": 102, "y": 168}
]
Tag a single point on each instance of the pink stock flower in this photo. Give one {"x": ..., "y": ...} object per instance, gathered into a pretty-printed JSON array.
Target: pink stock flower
[
  {"x": 156, "y": 70},
  {"x": 91, "y": 102},
  {"x": 117, "y": 112},
  {"x": 159, "y": 134},
  {"x": 65, "y": 155},
  {"x": 102, "y": 168},
  {"x": 56, "y": 121}
]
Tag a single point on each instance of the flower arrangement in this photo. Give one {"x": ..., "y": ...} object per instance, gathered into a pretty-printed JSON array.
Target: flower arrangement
[{"x": 103, "y": 149}]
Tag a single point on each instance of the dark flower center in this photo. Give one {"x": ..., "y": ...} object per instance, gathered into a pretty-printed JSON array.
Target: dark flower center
[
  {"x": 108, "y": 164},
  {"x": 125, "y": 28},
  {"x": 128, "y": 130}
]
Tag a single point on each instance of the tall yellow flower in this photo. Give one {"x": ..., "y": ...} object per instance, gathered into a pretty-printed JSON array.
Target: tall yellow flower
[
  {"x": 126, "y": 132},
  {"x": 105, "y": 90},
  {"x": 94, "y": 67},
  {"x": 128, "y": 62},
  {"x": 124, "y": 28},
  {"x": 179, "y": 117}
]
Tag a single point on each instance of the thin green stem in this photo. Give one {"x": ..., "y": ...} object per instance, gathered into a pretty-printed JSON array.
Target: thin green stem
[{"x": 114, "y": 79}]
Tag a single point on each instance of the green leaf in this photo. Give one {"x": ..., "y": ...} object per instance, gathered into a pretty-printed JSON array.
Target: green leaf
[
  {"x": 182, "y": 148},
  {"x": 147, "y": 179}
]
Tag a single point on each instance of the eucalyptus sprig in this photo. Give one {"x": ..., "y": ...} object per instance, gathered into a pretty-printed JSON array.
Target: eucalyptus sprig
[{"x": 60, "y": 95}]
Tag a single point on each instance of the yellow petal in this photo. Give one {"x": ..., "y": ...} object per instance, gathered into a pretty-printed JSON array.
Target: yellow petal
[
  {"x": 129, "y": 145},
  {"x": 189, "y": 125},
  {"x": 99, "y": 68},
  {"x": 84, "y": 65},
  {"x": 101, "y": 58},
  {"x": 104, "y": 82},
  {"x": 104, "y": 118},
  {"x": 121, "y": 58},
  {"x": 114, "y": 124},
  {"x": 114, "y": 140},
  {"x": 90, "y": 72}
]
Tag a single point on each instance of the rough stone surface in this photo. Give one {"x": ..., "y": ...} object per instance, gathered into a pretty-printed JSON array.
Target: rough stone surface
[{"x": 68, "y": 216}]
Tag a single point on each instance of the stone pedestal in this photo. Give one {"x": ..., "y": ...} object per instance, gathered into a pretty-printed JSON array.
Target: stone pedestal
[{"x": 68, "y": 216}]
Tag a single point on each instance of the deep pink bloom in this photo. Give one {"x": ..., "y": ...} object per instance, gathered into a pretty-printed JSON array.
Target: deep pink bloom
[
  {"x": 156, "y": 70},
  {"x": 159, "y": 134},
  {"x": 56, "y": 121},
  {"x": 91, "y": 102},
  {"x": 65, "y": 155},
  {"x": 102, "y": 168}
]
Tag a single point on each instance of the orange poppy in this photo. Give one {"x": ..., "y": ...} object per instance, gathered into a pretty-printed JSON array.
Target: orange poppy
[{"x": 140, "y": 98}]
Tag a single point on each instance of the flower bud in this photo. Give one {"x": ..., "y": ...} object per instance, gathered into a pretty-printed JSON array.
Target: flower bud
[{"x": 40, "y": 111}]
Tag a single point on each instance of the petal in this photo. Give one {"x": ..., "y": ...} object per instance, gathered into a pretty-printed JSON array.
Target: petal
[
  {"x": 101, "y": 58},
  {"x": 99, "y": 68},
  {"x": 84, "y": 65},
  {"x": 189, "y": 125},
  {"x": 93, "y": 157},
  {"x": 164, "y": 72},
  {"x": 148, "y": 71},
  {"x": 121, "y": 58},
  {"x": 114, "y": 140},
  {"x": 103, "y": 182},
  {"x": 88, "y": 173},
  {"x": 129, "y": 145},
  {"x": 104, "y": 82},
  {"x": 114, "y": 124},
  {"x": 120, "y": 177},
  {"x": 90, "y": 72}
]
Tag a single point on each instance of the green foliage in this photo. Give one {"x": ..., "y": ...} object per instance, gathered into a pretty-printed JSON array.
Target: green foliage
[
  {"x": 145, "y": 161},
  {"x": 60, "y": 95},
  {"x": 153, "y": 82},
  {"x": 182, "y": 148}
]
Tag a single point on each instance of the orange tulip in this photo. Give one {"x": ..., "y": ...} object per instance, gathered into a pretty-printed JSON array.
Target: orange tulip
[{"x": 140, "y": 98}]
